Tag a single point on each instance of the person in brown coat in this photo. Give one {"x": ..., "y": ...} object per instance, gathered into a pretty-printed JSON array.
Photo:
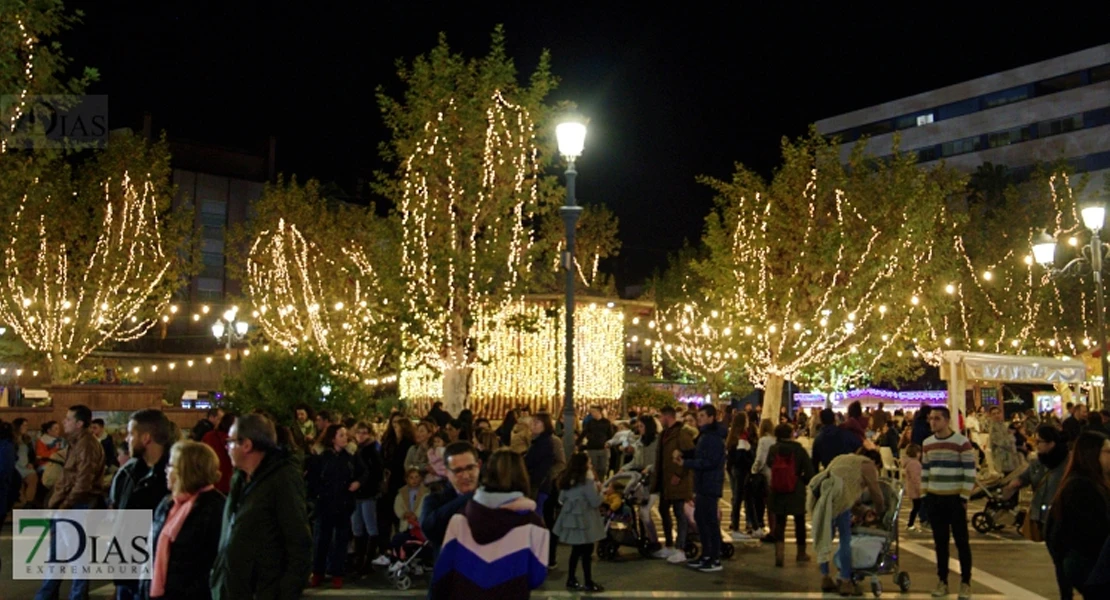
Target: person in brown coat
[
  {"x": 674, "y": 484},
  {"x": 783, "y": 503},
  {"x": 81, "y": 485}
]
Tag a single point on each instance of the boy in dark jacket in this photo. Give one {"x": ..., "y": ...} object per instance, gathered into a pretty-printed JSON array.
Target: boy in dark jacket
[{"x": 707, "y": 461}]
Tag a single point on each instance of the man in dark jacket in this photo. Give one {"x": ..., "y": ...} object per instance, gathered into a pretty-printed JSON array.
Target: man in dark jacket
[
  {"x": 208, "y": 423},
  {"x": 832, "y": 441},
  {"x": 141, "y": 483},
  {"x": 265, "y": 545},
  {"x": 707, "y": 461},
  {"x": 463, "y": 468},
  {"x": 595, "y": 432}
]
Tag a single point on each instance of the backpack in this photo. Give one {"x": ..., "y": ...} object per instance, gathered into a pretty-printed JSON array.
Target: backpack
[{"x": 784, "y": 473}]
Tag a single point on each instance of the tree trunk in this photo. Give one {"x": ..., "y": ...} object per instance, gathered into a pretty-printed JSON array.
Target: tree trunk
[
  {"x": 456, "y": 390},
  {"x": 772, "y": 397}
]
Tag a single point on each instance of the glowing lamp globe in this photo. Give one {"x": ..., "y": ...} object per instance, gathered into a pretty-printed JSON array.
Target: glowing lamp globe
[
  {"x": 572, "y": 138},
  {"x": 218, "y": 329},
  {"x": 1044, "y": 249},
  {"x": 241, "y": 328},
  {"x": 1094, "y": 215}
]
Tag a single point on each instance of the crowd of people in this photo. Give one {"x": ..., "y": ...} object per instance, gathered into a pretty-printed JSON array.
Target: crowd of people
[{"x": 246, "y": 507}]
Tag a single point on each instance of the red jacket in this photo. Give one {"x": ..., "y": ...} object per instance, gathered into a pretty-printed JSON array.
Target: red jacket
[{"x": 217, "y": 440}]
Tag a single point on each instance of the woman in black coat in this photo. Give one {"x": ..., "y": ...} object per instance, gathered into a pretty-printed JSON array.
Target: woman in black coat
[
  {"x": 334, "y": 476},
  {"x": 184, "y": 544},
  {"x": 1078, "y": 524}
]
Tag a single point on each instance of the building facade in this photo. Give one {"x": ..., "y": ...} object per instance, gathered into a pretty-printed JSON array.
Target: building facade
[{"x": 1057, "y": 109}]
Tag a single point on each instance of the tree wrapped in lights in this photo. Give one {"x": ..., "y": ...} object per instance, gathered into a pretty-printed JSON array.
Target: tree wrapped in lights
[
  {"x": 700, "y": 342},
  {"x": 32, "y": 66},
  {"x": 469, "y": 185},
  {"x": 818, "y": 264},
  {"x": 72, "y": 289},
  {"x": 596, "y": 240},
  {"x": 317, "y": 277}
]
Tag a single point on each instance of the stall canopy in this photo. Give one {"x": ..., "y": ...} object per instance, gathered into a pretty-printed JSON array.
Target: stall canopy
[{"x": 961, "y": 367}]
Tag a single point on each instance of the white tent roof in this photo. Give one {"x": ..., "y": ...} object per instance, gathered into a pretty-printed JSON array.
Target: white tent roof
[{"x": 1016, "y": 369}]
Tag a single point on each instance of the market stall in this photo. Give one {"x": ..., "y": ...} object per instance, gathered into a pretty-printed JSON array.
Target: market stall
[{"x": 959, "y": 368}]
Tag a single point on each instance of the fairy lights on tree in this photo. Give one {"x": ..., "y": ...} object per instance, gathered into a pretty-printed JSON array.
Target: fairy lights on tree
[
  {"x": 699, "y": 341},
  {"x": 821, "y": 263},
  {"x": 72, "y": 289},
  {"x": 468, "y": 186}
]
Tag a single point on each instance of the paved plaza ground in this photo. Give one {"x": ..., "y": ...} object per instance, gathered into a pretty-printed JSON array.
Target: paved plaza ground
[{"x": 1006, "y": 567}]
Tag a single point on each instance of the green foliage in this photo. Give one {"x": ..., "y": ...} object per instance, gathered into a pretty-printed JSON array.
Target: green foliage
[
  {"x": 596, "y": 239},
  {"x": 643, "y": 395},
  {"x": 278, "y": 381}
]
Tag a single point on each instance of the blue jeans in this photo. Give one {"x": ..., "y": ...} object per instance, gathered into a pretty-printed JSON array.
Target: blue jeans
[
  {"x": 709, "y": 526},
  {"x": 364, "y": 521},
  {"x": 665, "y": 508},
  {"x": 52, "y": 587},
  {"x": 330, "y": 537},
  {"x": 842, "y": 524}
]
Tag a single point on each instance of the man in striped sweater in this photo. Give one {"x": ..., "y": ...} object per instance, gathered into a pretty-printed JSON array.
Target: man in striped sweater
[{"x": 947, "y": 478}]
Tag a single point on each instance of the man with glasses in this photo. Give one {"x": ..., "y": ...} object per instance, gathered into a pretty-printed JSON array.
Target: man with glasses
[
  {"x": 463, "y": 469},
  {"x": 265, "y": 544}
]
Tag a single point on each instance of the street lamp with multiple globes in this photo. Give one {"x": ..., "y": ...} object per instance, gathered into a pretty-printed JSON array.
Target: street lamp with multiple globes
[
  {"x": 233, "y": 331},
  {"x": 571, "y": 133},
  {"x": 1044, "y": 252}
]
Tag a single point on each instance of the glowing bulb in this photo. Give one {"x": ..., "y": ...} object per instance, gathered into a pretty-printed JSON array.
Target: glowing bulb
[
  {"x": 849, "y": 327},
  {"x": 981, "y": 343},
  {"x": 635, "y": 338},
  {"x": 886, "y": 337},
  {"x": 851, "y": 316},
  {"x": 66, "y": 305},
  {"x": 686, "y": 329},
  {"x": 172, "y": 366},
  {"x": 635, "y": 320},
  {"x": 26, "y": 302},
  {"x": 188, "y": 363},
  {"x": 1052, "y": 343},
  {"x": 773, "y": 329},
  {"x": 104, "y": 306},
  {"x": 669, "y": 327},
  {"x": 797, "y": 326},
  {"x": 1015, "y": 343},
  {"x": 153, "y": 368},
  {"x": 246, "y": 352},
  {"x": 987, "y": 275},
  {"x": 947, "y": 341},
  {"x": 196, "y": 317},
  {"x": 882, "y": 309},
  {"x": 713, "y": 313},
  {"x": 1072, "y": 241},
  {"x": 204, "y": 309},
  {"x": 915, "y": 300},
  {"x": 173, "y": 309},
  {"x": 824, "y": 322},
  {"x": 951, "y": 289},
  {"x": 647, "y": 342},
  {"x": 651, "y": 324},
  {"x": 165, "y": 318},
  {"x": 1028, "y": 259},
  {"x": 747, "y": 331},
  {"x": 266, "y": 348},
  {"x": 338, "y": 306},
  {"x": 136, "y": 370},
  {"x": 728, "y": 331},
  {"x": 208, "y": 360}
]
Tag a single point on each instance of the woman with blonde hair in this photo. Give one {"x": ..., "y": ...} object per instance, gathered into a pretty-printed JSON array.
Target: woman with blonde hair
[{"x": 185, "y": 532}]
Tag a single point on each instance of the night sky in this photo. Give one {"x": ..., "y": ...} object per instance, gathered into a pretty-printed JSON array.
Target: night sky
[{"x": 672, "y": 91}]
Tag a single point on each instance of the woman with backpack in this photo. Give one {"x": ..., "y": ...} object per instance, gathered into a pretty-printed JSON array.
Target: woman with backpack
[{"x": 791, "y": 470}]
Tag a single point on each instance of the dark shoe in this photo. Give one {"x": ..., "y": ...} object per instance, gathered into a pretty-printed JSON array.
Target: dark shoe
[
  {"x": 710, "y": 566},
  {"x": 849, "y": 588},
  {"x": 592, "y": 587},
  {"x": 767, "y": 539},
  {"x": 696, "y": 563},
  {"x": 827, "y": 584},
  {"x": 802, "y": 557},
  {"x": 573, "y": 585},
  {"x": 734, "y": 527},
  {"x": 780, "y": 553}
]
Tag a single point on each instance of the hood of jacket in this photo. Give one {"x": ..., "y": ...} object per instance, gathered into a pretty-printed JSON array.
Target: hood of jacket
[
  {"x": 714, "y": 428},
  {"x": 1055, "y": 457},
  {"x": 492, "y": 515}
]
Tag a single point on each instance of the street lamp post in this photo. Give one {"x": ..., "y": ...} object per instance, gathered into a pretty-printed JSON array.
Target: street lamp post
[
  {"x": 571, "y": 134},
  {"x": 233, "y": 331},
  {"x": 1044, "y": 252}
]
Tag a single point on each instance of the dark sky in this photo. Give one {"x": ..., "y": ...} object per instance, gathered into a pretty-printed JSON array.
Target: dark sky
[{"x": 672, "y": 91}]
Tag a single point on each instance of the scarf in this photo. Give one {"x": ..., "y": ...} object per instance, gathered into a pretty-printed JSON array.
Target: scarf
[{"x": 179, "y": 512}]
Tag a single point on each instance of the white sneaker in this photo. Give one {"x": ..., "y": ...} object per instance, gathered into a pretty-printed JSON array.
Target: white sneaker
[
  {"x": 941, "y": 590},
  {"x": 663, "y": 553},
  {"x": 381, "y": 561},
  {"x": 965, "y": 591},
  {"x": 740, "y": 536},
  {"x": 677, "y": 558}
]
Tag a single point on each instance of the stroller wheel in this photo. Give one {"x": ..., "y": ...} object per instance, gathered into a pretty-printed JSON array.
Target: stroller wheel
[
  {"x": 692, "y": 551},
  {"x": 876, "y": 588},
  {"x": 403, "y": 583},
  {"x": 982, "y": 522},
  {"x": 903, "y": 581},
  {"x": 727, "y": 550},
  {"x": 645, "y": 548}
]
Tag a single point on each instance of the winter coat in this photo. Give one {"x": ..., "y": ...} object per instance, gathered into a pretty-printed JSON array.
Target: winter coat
[
  {"x": 330, "y": 475},
  {"x": 417, "y": 458},
  {"x": 912, "y": 467},
  {"x": 82, "y": 480},
  {"x": 194, "y": 550},
  {"x": 1077, "y": 532},
  {"x": 540, "y": 460},
  {"x": 832, "y": 442},
  {"x": 595, "y": 433},
  {"x": 265, "y": 545},
  {"x": 793, "y": 503},
  {"x": 395, "y": 462},
  {"x": 496, "y": 547},
  {"x": 673, "y": 482},
  {"x": 1045, "y": 474},
  {"x": 375, "y": 472},
  {"x": 1004, "y": 454},
  {"x": 401, "y": 505},
  {"x": 707, "y": 460},
  {"x": 579, "y": 519},
  {"x": 644, "y": 457}
]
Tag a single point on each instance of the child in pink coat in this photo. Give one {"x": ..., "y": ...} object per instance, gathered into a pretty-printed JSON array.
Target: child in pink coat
[{"x": 911, "y": 465}]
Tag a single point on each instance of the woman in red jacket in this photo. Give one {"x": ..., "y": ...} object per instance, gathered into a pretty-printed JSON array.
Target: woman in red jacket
[{"x": 217, "y": 440}]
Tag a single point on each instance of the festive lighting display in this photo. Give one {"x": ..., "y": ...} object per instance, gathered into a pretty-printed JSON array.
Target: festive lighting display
[
  {"x": 64, "y": 305},
  {"x": 466, "y": 233},
  {"x": 700, "y": 342},
  {"x": 292, "y": 285},
  {"x": 521, "y": 359}
]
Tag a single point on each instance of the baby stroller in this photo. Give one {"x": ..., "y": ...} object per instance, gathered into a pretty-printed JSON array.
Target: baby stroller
[
  {"x": 410, "y": 559},
  {"x": 622, "y": 525},
  {"x": 881, "y": 536},
  {"x": 999, "y": 511}
]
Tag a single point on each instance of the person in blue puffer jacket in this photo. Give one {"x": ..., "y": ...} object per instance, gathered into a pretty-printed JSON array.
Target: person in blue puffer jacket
[{"x": 707, "y": 461}]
